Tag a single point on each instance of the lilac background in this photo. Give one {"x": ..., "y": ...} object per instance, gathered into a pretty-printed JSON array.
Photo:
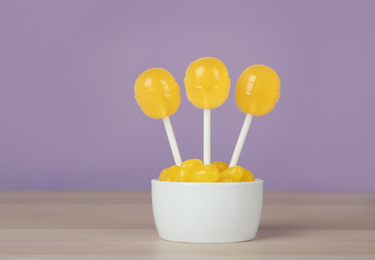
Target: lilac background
[{"x": 68, "y": 119}]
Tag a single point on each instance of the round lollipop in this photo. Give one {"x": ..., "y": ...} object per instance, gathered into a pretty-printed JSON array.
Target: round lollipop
[
  {"x": 257, "y": 91},
  {"x": 158, "y": 95},
  {"x": 207, "y": 86}
]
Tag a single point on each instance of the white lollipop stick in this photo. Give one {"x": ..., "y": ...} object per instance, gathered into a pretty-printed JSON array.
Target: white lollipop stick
[
  {"x": 207, "y": 136},
  {"x": 241, "y": 140},
  {"x": 172, "y": 140}
]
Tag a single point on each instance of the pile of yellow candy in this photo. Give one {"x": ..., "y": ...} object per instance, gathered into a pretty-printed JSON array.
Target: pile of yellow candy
[{"x": 194, "y": 170}]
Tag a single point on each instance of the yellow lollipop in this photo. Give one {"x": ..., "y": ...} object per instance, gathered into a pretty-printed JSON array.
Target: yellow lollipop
[
  {"x": 257, "y": 91},
  {"x": 158, "y": 95},
  {"x": 207, "y": 87}
]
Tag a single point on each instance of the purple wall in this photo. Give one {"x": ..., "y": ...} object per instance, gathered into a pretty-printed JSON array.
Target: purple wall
[{"x": 68, "y": 118}]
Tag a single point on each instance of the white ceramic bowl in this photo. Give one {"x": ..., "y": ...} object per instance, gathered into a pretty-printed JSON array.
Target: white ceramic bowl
[{"x": 207, "y": 212}]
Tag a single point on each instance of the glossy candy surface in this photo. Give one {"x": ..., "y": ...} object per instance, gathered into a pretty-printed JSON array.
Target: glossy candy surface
[
  {"x": 157, "y": 93},
  {"x": 186, "y": 167},
  {"x": 205, "y": 173},
  {"x": 257, "y": 90},
  {"x": 225, "y": 178},
  {"x": 235, "y": 173},
  {"x": 207, "y": 83},
  {"x": 194, "y": 170},
  {"x": 247, "y": 176},
  {"x": 221, "y": 166},
  {"x": 163, "y": 174},
  {"x": 172, "y": 173}
]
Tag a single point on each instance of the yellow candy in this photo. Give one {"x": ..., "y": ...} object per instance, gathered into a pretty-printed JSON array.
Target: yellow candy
[
  {"x": 163, "y": 174},
  {"x": 194, "y": 170},
  {"x": 257, "y": 90},
  {"x": 234, "y": 173},
  {"x": 157, "y": 93},
  {"x": 186, "y": 167},
  {"x": 207, "y": 83},
  {"x": 225, "y": 178},
  {"x": 221, "y": 166},
  {"x": 172, "y": 173},
  {"x": 247, "y": 176},
  {"x": 205, "y": 173}
]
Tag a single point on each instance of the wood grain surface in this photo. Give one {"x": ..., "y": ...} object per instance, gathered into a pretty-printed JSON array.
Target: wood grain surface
[{"x": 119, "y": 225}]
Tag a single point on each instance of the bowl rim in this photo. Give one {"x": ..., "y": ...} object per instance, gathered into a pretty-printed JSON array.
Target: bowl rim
[{"x": 257, "y": 181}]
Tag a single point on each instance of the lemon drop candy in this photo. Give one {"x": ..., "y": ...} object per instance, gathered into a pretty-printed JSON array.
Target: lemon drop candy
[
  {"x": 247, "y": 176},
  {"x": 257, "y": 91},
  {"x": 163, "y": 174},
  {"x": 158, "y": 95},
  {"x": 235, "y": 173},
  {"x": 225, "y": 178},
  {"x": 207, "y": 86},
  {"x": 186, "y": 167},
  {"x": 204, "y": 173},
  {"x": 171, "y": 174},
  {"x": 221, "y": 166}
]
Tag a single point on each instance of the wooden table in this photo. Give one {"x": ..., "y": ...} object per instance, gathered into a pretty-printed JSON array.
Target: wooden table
[{"x": 111, "y": 225}]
